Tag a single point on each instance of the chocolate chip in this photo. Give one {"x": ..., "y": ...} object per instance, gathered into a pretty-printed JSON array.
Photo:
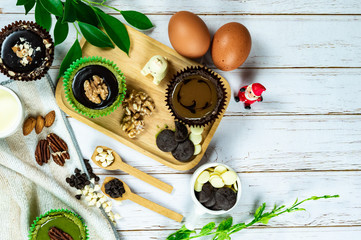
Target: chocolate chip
[
  {"x": 114, "y": 188},
  {"x": 184, "y": 151},
  {"x": 78, "y": 196},
  {"x": 181, "y": 132},
  {"x": 77, "y": 170},
  {"x": 68, "y": 180},
  {"x": 225, "y": 198},
  {"x": 165, "y": 141},
  {"x": 97, "y": 178}
]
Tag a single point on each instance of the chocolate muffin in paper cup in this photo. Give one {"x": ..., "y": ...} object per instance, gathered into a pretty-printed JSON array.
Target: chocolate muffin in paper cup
[
  {"x": 196, "y": 96},
  {"x": 94, "y": 86},
  {"x": 26, "y": 51},
  {"x": 58, "y": 222}
]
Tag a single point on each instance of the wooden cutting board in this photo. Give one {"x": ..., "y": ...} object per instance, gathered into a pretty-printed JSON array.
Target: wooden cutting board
[{"x": 142, "y": 49}]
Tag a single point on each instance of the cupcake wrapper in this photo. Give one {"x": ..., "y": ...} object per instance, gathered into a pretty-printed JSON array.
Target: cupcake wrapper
[
  {"x": 207, "y": 73},
  {"x": 68, "y": 80},
  {"x": 52, "y": 211},
  {"x": 38, "y": 72}
]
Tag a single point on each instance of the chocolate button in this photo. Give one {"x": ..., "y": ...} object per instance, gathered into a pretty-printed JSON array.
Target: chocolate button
[{"x": 165, "y": 141}]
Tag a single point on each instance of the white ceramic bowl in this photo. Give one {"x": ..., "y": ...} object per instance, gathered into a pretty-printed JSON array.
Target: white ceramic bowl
[
  {"x": 199, "y": 209},
  {"x": 20, "y": 118}
]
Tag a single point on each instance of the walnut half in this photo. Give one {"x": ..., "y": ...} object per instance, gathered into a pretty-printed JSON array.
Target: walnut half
[{"x": 96, "y": 90}]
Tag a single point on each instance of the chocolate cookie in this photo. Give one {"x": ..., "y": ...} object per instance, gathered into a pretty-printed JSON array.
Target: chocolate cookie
[
  {"x": 166, "y": 141},
  {"x": 184, "y": 151}
]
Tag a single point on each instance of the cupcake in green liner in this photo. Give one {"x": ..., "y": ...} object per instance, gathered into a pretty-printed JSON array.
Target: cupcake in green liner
[
  {"x": 94, "y": 86},
  {"x": 55, "y": 223}
]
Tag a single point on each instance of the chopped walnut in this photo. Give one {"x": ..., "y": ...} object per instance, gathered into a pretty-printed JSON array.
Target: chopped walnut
[
  {"x": 96, "y": 90},
  {"x": 136, "y": 106},
  {"x": 24, "y": 51}
]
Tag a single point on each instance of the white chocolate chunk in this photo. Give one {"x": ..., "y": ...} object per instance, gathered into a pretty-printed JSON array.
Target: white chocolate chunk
[
  {"x": 198, "y": 186},
  {"x": 78, "y": 192},
  {"x": 104, "y": 205},
  {"x": 229, "y": 177},
  {"x": 196, "y": 139},
  {"x": 196, "y": 130},
  {"x": 104, "y": 164},
  {"x": 235, "y": 185},
  {"x": 96, "y": 187},
  {"x": 110, "y": 157},
  {"x": 108, "y": 209},
  {"x": 110, "y": 203},
  {"x": 88, "y": 198},
  {"x": 109, "y": 152},
  {"x": 103, "y": 154},
  {"x": 117, "y": 216},
  {"x": 99, "y": 150},
  {"x": 216, "y": 181},
  {"x": 91, "y": 190},
  {"x": 98, "y": 204},
  {"x": 220, "y": 169},
  {"x": 203, "y": 177}
]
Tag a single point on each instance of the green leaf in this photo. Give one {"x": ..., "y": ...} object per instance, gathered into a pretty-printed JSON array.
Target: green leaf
[
  {"x": 42, "y": 16},
  {"x": 53, "y": 6},
  {"x": 207, "y": 228},
  {"x": 225, "y": 224},
  {"x": 116, "y": 30},
  {"x": 237, "y": 227},
  {"x": 222, "y": 236},
  {"x": 73, "y": 54},
  {"x": 95, "y": 36},
  {"x": 61, "y": 31},
  {"x": 137, "y": 19},
  {"x": 84, "y": 13},
  {"x": 21, "y": 2},
  {"x": 28, "y": 6},
  {"x": 69, "y": 12},
  {"x": 259, "y": 211}
]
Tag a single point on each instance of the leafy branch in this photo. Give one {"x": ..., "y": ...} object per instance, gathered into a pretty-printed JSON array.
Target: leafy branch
[
  {"x": 226, "y": 227},
  {"x": 87, "y": 19}
]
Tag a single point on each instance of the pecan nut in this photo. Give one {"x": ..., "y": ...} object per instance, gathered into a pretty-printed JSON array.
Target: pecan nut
[
  {"x": 42, "y": 152},
  {"x": 57, "y": 234},
  {"x": 56, "y": 143},
  {"x": 58, "y": 159}
]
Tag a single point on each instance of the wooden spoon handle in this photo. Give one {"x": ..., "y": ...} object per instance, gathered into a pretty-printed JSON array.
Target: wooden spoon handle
[
  {"x": 155, "y": 207},
  {"x": 145, "y": 177}
]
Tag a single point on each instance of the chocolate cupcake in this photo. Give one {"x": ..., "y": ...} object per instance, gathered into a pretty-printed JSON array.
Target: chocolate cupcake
[
  {"x": 196, "y": 96},
  {"x": 26, "y": 51},
  {"x": 94, "y": 86},
  {"x": 56, "y": 223}
]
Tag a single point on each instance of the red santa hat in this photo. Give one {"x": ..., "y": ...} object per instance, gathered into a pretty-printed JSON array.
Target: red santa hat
[{"x": 258, "y": 89}]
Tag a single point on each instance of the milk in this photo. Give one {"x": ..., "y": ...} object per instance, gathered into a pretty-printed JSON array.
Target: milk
[{"x": 10, "y": 111}]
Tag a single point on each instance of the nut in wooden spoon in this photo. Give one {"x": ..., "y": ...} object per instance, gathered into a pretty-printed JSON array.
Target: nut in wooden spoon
[
  {"x": 117, "y": 163},
  {"x": 120, "y": 191}
]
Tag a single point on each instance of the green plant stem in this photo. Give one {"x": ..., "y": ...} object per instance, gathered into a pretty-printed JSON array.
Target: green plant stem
[
  {"x": 101, "y": 4},
  {"x": 77, "y": 31}
]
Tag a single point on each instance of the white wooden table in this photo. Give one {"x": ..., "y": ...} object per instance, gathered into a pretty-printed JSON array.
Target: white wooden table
[{"x": 303, "y": 140}]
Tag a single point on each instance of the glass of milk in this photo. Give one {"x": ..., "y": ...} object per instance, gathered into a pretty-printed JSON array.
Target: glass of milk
[{"x": 11, "y": 112}]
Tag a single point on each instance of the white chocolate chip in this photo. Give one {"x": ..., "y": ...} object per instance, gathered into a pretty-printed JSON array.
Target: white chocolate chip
[
  {"x": 104, "y": 205},
  {"x": 197, "y": 149},
  {"x": 229, "y": 177},
  {"x": 235, "y": 186},
  {"x": 99, "y": 150},
  {"x": 98, "y": 204},
  {"x": 220, "y": 169},
  {"x": 203, "y": 177},
  {"x": 110, "y": 157},
  {"x": 196, "y": 130},
  {"x": 108, "y": 209},
  {"x": 117, "y": 216},
  {"x": 78, "y": 192},
  {"x": 196, "y": 139},
  {"x": 110, "y": 203},
  {"x": 88, "y": 198},
  {"x": 96, "y": 187},
  {"x": 198, "y": 186},
  {"x": 216, "y": 181}
]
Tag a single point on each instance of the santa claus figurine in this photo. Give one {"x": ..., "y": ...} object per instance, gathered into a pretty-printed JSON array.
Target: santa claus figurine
[{"x": 250, "y": 94}]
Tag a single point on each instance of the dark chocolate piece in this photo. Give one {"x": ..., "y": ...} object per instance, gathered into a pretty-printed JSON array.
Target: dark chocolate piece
[
  {"x": 225, "y": 198},
  {"x": 206, "y": 193},
  {"x": 211, "y": 202},
  {"x": 114, "y": 188},
  {"x": 184, "y": 151},
  {"x": 166, "y": 141},
  {"x": 87, "y": 73},
  {"x": 181, "y": 132}
]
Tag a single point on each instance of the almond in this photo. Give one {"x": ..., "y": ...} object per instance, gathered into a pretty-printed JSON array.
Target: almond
[
  {"x": 49, "y": 119},
  {"x": 29, "y": 125},
  {"x": 40, "y": 122}
]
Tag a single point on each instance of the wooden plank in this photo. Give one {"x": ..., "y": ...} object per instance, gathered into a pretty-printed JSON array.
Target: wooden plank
[
  {"x": 334, "y": 233},
  {"x": 226, "y": 6},
  {"x": 278, "y": 41},
  {"x": 253, "y": 144},
  {"x": 280, "y": 188}
]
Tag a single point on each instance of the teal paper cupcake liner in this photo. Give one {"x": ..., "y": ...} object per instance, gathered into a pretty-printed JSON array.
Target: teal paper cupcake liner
[
  {"x": 68, "y": 80},
  {"x": 51, "y": 212}
]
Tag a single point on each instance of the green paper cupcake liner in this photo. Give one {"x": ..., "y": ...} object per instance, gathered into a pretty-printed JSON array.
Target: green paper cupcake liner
[
  {"x": 68, "y": 80},
  {"x": 53, "y": 212}
]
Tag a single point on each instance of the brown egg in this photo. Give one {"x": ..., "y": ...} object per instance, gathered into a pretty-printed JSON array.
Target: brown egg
[
  {"x": 188, "y": 34},
  {"x": 231, "y": 46}
]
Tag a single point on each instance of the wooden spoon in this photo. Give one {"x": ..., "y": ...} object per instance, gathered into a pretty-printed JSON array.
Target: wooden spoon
[
  {"x": 119, "y": 164},
  {"x": 142, "y": 201}
]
